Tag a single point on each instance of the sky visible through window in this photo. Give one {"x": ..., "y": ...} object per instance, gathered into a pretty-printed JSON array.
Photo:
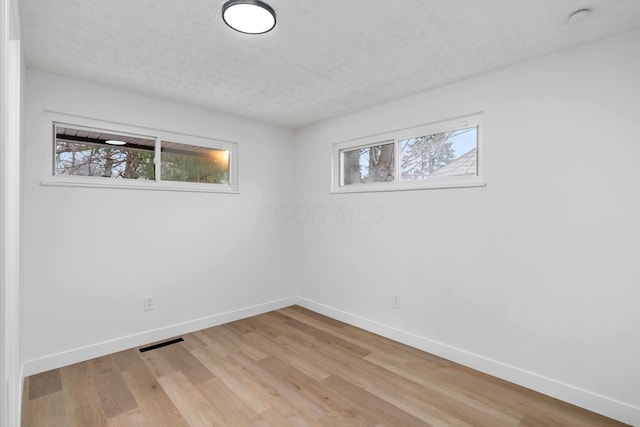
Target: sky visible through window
[{"x": 464, "y": 141}]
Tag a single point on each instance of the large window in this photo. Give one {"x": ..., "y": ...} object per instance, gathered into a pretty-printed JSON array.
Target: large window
[
  {"x": 92, "y": 156},
  {"x": 440, "y": 155}
]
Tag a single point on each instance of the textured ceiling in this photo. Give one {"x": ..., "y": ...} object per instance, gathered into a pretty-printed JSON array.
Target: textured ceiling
[{"x": 325, "y": 58}]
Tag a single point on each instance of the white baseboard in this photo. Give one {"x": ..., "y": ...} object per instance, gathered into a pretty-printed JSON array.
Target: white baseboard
[
  {"x": 591, "y": 401},
  {"x": 88, "y": 352}
]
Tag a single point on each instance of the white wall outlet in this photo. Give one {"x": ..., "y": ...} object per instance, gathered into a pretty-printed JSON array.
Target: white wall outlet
[
  {"x": 395, "y": 301},
  {"x": 148, "y": 303}
]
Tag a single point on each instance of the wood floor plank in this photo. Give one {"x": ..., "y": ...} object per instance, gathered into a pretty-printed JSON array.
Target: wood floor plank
[
  {"x": 193, "y": 406},
  {"x": 128, "y": 359},
  {"x": 213, "y": 345},
  {"x": 288, "y": 391},
  {"x": 44, "y": 383},
  {"x": 235, "y": 411},
  {"x": 328, "y": 338},
  {"x": 290, "y": 367},
  {"x": 303, "y": 313},
  {"x": 371, "y": 403},
  {"x": 133, "y": 418},
  {"x": 173, "y": 358},
  {"x": 390, "y": 348},
  {"x": 285, "y": 372},
  {"x": 247, "y": 348},
  {"x": 338, "y": 411},
  {"x": 237, "y": 380},
  {"x": 83, "y": 407},
  {"x": 113, "y": 392},
  {"x": 192, "y": 342},
  {"x": 152, "y": 399},
  {"x": 279, "y": 417},
  {"x": 240, "y": 327},
  {"x": 528, "y": 421},
  {"x": 47, "y": 411},
  {"x": 225, "y": 340},
  {"x": 289, "y": 352},
  {"x": 24, "y": 413}
]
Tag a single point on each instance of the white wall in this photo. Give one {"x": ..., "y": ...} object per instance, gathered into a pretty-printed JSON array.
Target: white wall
[
  {"x": 90, "y": 255},
  {"x": 533, "y": 278}
]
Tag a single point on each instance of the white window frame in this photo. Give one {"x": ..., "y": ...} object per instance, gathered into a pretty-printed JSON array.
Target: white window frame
[
  {"x": 49, "y": 178},
  {"x": 338, "y": 149}
]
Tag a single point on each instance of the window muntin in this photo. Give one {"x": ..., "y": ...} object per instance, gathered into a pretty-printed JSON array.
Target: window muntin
[
  {"x": 374, "y": 163},
  {"x": 191, "y": 163},
  {"x": 90, "y": 153},
  {"x": 439, "y": 155}
]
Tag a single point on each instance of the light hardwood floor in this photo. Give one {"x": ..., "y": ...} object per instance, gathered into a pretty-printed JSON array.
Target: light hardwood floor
[{"x": 290, "y": 367}]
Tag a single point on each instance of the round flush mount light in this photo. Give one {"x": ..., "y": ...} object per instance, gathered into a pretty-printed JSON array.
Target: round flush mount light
[
  {"x": 249, "y": 16},
  {"x": 115, "y": 142}
]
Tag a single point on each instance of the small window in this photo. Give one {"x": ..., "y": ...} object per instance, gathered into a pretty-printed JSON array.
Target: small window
[
  {"x": 96, "y": 153},
  {"x": 92, "y": 156},
  {"x": 374, "y": 163},
  {"x": 451, "y": 153},
  {"x": 191, "y": 163},
  {"x": 441, "y": 155}
]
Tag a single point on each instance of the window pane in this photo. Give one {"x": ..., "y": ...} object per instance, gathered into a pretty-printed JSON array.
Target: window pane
[
  {"x": 450, "y": 153},
  {"x": 191, "y": 163},
  {"x": 369, "y": 164},
  {"x": 95, "y": 153}
]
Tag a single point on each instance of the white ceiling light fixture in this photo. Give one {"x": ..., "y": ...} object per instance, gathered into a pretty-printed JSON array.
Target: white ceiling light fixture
[
  {"x": 115, "y": 142},
  {"x": 249, "y": 16}
]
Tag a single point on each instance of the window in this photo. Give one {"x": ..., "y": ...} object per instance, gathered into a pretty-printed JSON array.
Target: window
[
  {"x": 85, "y": 152},
  {"x": 93, "y": 156},
  {"x": 440, "y": 155},
  {"x": 190, "y": 163},
  {"x": 374, "y": 163}
]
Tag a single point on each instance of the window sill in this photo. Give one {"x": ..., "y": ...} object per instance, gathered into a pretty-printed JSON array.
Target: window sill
[
  {"x": 139, "y": 185},
  {"x": 410, "y": 185}
]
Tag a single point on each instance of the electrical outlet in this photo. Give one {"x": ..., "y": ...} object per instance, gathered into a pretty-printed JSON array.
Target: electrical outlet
[
  {"x": 395, "y": 301},
  {"x": 148, "y": 303}
]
